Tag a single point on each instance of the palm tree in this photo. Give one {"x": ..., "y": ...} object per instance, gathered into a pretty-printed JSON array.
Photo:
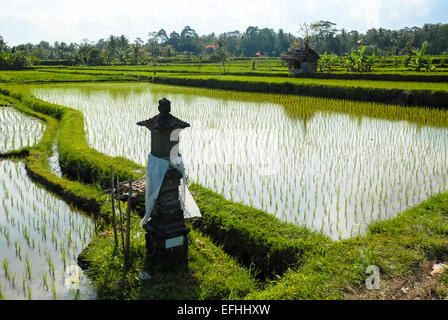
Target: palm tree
[
  {"x": 123, "y": 48},
  {"x": 137, "y": 52},
  {"x": 111, "y": 49},
  {"x": 221, "y": 52},
  {"x": 3, "y": 45}
]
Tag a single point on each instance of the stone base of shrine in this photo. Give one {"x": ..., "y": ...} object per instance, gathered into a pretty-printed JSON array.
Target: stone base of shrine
[{"x": 167, "y": 244}]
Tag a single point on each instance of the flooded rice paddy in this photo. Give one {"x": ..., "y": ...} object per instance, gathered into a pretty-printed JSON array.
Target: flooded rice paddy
[
  {"x": 312, "y": 162},
  {"x": 18, "y": 130},
  {"x": 40, "y": 239}
]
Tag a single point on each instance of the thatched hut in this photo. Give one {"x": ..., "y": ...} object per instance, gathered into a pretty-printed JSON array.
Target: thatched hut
[{"x": 301, "y": 60}]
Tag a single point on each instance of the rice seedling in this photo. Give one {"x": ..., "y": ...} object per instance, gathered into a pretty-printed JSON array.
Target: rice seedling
[
  {"x": 2, "y": 296},
  {"x": 13, "y": 280},
  {"x": 5, "y": 268},
  {"x": 64, "y": 260},
  {"x": 28, "y": 267},
  {"x": 29, "y": 293},
  {"x": 6, "y": 233},
  {"x": 23, "y": 282},
  {"x": 44, "y": 281},
  {"x": 53, "y": 289},
  {"x": 50, "y": 265},
  {"x": 75, "y": 294}
]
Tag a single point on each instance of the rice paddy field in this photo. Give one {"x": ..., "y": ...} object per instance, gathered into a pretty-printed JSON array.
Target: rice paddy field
[
  {"x": 127, "y": 73},
  {"x": 17, "y": 130},
  {"x": 31, "y": 76},
  {"x": 40, "y": 235},
  {"x": 245, "y": 64},
  {"x": 40, "y": 240},
  {"x": 333, "y": 166},
  {"x": 404, "y": 85}
]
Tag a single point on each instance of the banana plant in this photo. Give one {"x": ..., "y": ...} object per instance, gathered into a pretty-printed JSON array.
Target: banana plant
[
  {"x": 358, "y": 61},
  {"x": 327, "y": 61},
  {"x": 351, "y": 61},
  {"x": 421, "y": 61},
  {"x": 368, "y": 62}
]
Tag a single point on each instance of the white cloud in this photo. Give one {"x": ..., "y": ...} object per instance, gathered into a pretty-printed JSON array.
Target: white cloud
[
  {"x": 394, "y": 14},
  {"x": 72, "y": 20},
  {"x": 365, "y": 12}
]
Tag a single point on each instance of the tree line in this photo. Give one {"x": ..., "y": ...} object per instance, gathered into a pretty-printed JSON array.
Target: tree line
[
  {"x": 325, "y": 37},
  {"x": 322, "y": 36}
]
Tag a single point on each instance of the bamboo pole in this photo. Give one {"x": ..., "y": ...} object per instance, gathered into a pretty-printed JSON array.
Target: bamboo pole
[
  {"x": 113, "y": 205},
  {"x": 128, "y": 221},
  {"x": 121, "y": 214}
]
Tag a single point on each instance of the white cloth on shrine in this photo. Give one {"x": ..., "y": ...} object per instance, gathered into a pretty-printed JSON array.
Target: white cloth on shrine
[
  {"x": 191, "y": 209},
  {"x": 155, "y": 172}
]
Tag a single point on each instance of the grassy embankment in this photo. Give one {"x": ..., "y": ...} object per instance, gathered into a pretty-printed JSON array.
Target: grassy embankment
[
  {"x": 403, "y": 93},
  {"x": 394, "y": 87},
  {"x": 266, "y": 67},
  {"x": 45, "y": 76},
  {"x": 319, "y": 268}
]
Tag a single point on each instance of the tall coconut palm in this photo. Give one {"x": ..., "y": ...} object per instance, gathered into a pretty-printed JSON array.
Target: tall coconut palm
[
  {"x": 111, "y": 49},
  {"x": 123, "y": 48}
]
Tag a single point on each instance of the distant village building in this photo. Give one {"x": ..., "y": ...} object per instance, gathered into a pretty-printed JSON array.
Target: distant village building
[{"x": 301, "y": 60}]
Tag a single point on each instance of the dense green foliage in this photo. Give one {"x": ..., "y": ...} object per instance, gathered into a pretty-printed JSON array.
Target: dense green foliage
[
  {"x": 421, "y": 61},
  {"x": 327, "y": 62},
  {"x": 15, "y": 58},
  {"x": 323, "y": 36},
  {"x": 358, "y": 61}
]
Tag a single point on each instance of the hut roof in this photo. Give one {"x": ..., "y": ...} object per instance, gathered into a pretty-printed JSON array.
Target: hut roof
[{"x": 301, "y": 54}]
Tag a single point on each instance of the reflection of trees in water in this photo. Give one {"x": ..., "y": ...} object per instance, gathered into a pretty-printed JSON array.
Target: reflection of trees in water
[
  {"x": 304, "y": 108},
  {"x": 302, "y": 119}
]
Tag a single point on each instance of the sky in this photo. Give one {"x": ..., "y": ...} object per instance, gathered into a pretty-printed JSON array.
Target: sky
[{"x": 23, "y": 21}]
